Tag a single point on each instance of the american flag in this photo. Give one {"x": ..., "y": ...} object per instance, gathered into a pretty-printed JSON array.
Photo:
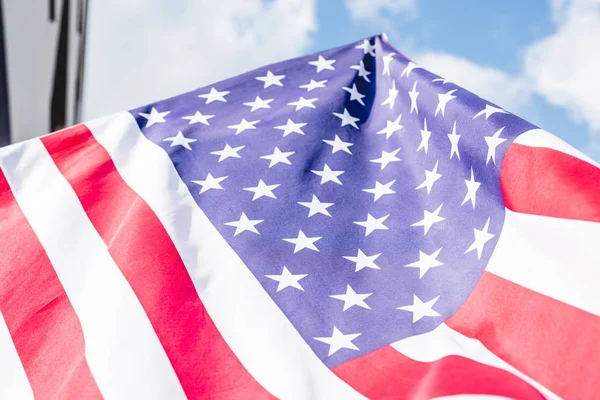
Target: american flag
[{"x": 344, "y": 225}]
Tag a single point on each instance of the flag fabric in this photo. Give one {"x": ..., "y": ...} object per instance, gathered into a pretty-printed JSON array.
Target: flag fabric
[{"x": 344, "y": 225}]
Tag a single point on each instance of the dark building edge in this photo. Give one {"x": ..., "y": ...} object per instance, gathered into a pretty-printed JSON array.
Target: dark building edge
[
  {"x": 4, "y": 105},
  {"x": 82, "y": 29},
  {"x": 58, "y": 102}
]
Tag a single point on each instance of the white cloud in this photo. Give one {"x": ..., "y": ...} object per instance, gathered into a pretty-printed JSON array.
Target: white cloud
[
  {"x": 510, "y": 92},
  {"x": 565, "y": 66},
  {"x": 380, "y": 10},
  {"x": 142, "y": 51}
]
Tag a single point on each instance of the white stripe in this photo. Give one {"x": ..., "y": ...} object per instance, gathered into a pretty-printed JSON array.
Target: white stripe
[
  {"x": 556, "y": 257},
  {"x": 122, "y": 350},
  {"x": 445, "y": 341},
  {"x": 257, "y": 331},
  {"x": 542, "y": 138},
  {"x": 13, "y": 381}
]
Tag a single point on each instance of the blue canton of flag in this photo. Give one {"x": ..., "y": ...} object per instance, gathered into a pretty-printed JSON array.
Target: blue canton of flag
[{"x": 361, "y": 190}]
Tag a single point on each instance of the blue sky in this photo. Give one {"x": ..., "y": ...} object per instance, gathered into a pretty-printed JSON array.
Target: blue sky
[
  {"x": 538, "y": 59},
  {"x": 489, "y": 33}
]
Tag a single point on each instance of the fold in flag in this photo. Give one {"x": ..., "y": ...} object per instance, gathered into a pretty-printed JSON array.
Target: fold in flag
[{"x": 344, "y": 225}]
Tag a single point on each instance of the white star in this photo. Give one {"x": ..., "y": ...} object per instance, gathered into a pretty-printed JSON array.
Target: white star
[
  {"x": 413, "y": 94},
  {"x": 387, "y": 158},
  {"x": 380, "y": 189},
  {"x": 367, "y": 47},
  {"x": 373, "y": 224},
  {"x": 278, "y": 157},
  {"x": 322, "y": 64},
  {"x": 454, "y": 138},
  {"x": 408, "y": 69},
  {"x": 347, "y": 119},
  {"x": 472, "y": 187},
  {"x": 262, "y": 190},
  {"x": 328, "y": 175},
  {"x": 243, "y": 125},
  {"x": 214, "y": 95},
  {"x": 180, "y": 140},
  {"x": 443, "y": 100},
  {"x": 392, "y": 94},
  {"x": 291, "y": 127},
  {"x": 313, "y": 85},
  {"x": 363, "y": 261},
  {"x": 481, "y": 238},
  {"x": 228, "y": 152},
  {"x": 362, "y": 71},
  {"x": 355, "y": 94},
  {"x": 198, "y": 117},
  {"x": 303, "y": 242},
  {"x": 154, "y": 117},
  {"x": 303, "y": 103},
  {"x": 339, "y": 341},
  {"x": 338, "y": 144},
  {"x": 391, "y": 127},
  {"x": 493, "y": 142},
  {"x": 315, "y": 206},
  {"x": 419, "y": 309},
  {"x": 430, "y": 178},
  {"x": 271, "y": 79},
  {"x": 426, "y": 262},
  {"x": 210, "y": 183},
  {"x": 258, "y": 103},
  {"x": 443, "y": 80},
  {"x": 244, "y": 224},
  {"x": 429, "y": 218},
  {"x": 351, "y": 298},
  {"x": 387, "y": 60},
  {"x": 425, "y": 135},
  {"x": 489, "y": 111},
  {"x": 286, "y": 279}
]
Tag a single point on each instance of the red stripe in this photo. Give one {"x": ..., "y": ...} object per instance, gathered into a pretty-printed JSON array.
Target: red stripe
[
  {"x": 388, "y": 374},
  {"x": 40, "y": 318},
  {"x": 541, "y": 181},
  {"x": 553, "y": 343},
  {"x": 145, "y": 254}
]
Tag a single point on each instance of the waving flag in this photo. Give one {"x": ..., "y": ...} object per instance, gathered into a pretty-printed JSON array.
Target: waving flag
[{"x": 344, "y": 225}]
